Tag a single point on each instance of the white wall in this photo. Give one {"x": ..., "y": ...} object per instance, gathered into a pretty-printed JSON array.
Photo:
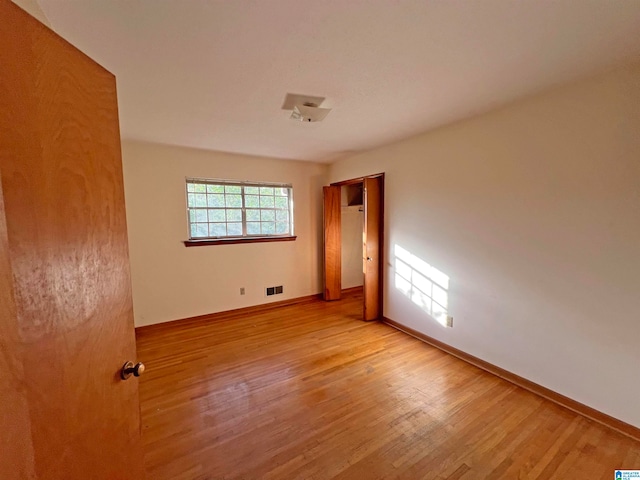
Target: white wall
[
  {"x": 534, "y": 213},
  {"x": 171, "y": 281},
  {"x": 352, "y": 220}
]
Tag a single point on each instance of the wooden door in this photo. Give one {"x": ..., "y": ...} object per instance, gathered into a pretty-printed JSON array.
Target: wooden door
[
  {"x": 372, "y": 248},
  {"x": 16, "y": 448},
  {"x": 65, "y": 246},
  {"x": 332, "y": 243}
]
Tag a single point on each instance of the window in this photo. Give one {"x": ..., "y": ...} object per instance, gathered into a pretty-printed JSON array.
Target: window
[{"x": 227, "y": 210}]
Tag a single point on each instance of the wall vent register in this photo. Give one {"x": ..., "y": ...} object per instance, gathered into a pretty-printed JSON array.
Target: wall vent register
[{"x": 274, "y": 290}]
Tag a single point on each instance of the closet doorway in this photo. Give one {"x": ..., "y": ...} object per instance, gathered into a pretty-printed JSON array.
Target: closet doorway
[{"x": 351, "y": 196}]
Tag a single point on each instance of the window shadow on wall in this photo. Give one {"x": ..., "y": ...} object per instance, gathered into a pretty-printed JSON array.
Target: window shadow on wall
[{"x": 425, "y": 285}]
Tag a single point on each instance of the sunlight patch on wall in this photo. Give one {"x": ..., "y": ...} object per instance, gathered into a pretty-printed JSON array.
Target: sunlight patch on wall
[{"x": 424, "y": 284}]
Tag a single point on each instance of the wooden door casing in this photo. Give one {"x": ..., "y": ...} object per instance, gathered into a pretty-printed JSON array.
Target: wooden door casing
[
  {"x": 332, "y": 243},
  {"x": 62, "y": 187},
  {"x": 372, "y": 242},
  {"x": 372, "y": 248}
]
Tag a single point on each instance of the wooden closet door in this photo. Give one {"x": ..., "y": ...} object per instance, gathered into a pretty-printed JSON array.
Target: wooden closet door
[
  {"x": 332, "y": 243},
  {"x": 372, "y": 248},
  {"x": 61, "y": 175}
]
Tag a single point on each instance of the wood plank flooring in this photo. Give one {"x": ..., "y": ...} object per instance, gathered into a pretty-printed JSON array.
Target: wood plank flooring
[{"x": 311, "y": 392}]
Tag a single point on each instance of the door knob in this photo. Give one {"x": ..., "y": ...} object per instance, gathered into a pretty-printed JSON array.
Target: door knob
[{"x": 129, "y": 369}]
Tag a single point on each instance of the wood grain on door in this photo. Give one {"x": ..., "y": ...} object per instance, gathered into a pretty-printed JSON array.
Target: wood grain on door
[
  {"x": 332, "y": 243},
  {"x": 66, "y": 243}
]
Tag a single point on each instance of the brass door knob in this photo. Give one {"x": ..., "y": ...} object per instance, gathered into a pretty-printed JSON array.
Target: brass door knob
[{"x": 130, "y": 368}]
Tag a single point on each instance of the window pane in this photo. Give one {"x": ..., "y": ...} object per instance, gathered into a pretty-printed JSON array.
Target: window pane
[
  {"x": 251, "y": 190},
  {"x": 266, "y": 190},
  {"x": 253, "y": 228},
  {"x": 233, "y": 201},
  {"x": 234, "y": 215},
  {"x": 282, "y": 215},
  {"x": 191, "y": 200},
  {"x": 282, "y": 227},
  {"x": 253, "y": 215},
  {"x": 268, "y": 215},
  {"x": 217, "y": 215},
  {"x": 216, "y": 200},
  {"x": 200, "y": 188},
  {"x": 200, "y": 215},
  {"x": 191, "y": 187},
  {"x": 201, "y": 200},
  {"x": 234, "y": 229},
  {"x": 266, "y": 202},
  {"x": 282, "y": 191},
  {"x": 282, "y": 202},
  {"x": 217, "y": 229},
  {"x": 199, "y": 230},
  {"x": 268, "y": 228},
  {"x": 215, "y": 189},
  {"x": 232, "y": 189},
  {"x": 251, "y": 201}
]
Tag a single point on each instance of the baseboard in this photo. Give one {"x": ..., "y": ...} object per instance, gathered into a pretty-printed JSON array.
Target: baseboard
[
  {"x": 228, "y": 313},
  {"x": 573, "y": 405},
  {"x": 352, "y": 290}
]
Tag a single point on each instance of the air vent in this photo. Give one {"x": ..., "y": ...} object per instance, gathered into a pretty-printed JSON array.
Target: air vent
[{"x": 274, "y": 290}]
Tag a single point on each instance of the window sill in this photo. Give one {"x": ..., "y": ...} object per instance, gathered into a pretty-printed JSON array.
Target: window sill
[{"x": 231, "y": 241}]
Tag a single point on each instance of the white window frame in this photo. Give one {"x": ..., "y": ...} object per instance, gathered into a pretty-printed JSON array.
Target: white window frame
[{"x": 195, "y": 216}]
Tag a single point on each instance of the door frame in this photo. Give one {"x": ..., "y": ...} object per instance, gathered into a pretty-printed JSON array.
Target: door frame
[{"x": 381, "y": 245}]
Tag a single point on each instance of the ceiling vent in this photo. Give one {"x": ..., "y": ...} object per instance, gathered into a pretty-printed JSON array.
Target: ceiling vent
[{"x": 305, "y": 108}]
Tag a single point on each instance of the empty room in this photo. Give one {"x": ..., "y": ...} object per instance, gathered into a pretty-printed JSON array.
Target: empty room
[{"x": 296, "y": 239}]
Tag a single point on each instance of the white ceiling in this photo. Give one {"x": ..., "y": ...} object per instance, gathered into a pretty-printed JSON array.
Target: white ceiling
[{"x": 213, "y": 74}]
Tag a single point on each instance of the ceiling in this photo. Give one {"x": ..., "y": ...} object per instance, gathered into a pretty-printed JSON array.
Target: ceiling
[{"x": 213, "y": 74}]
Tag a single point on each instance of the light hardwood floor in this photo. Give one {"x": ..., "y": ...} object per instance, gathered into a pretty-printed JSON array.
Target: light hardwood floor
[{"x": 311, "y": 392}]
